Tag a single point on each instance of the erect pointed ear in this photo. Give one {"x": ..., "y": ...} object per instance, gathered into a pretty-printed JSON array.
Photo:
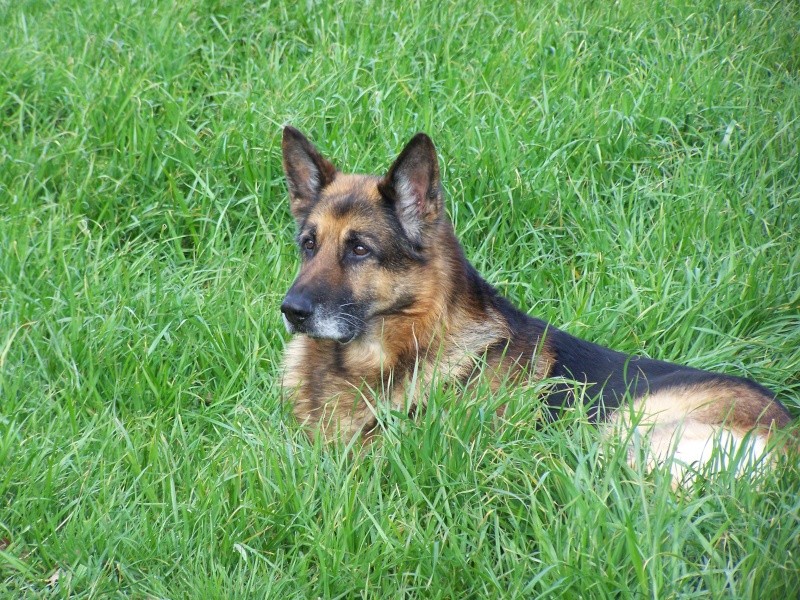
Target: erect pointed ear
[
  {"x": 307, "y": 172},
  {"x": 413, "y": 186}
]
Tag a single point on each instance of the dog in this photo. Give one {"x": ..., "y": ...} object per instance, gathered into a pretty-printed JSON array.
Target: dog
[{"x": 385, "y": 299}]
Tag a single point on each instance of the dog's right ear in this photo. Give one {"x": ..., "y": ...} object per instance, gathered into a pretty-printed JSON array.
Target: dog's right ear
[
  {"x": 413, "y": 188},
  {"x": 307, "y": 172}
]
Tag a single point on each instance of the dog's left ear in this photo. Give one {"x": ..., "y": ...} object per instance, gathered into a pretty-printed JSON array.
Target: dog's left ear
[
  {"x": 307, "y": 172},
  {"x": 413, "y": 186}
]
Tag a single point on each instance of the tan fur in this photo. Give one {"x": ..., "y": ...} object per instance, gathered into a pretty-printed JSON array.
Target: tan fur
[{"x": 691, "y": 425}]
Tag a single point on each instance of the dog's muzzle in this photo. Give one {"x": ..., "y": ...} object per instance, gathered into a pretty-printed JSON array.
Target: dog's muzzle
[{"x": 304, "y": 312}]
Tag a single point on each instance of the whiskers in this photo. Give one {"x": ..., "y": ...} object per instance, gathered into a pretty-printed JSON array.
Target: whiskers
[{"x": 350, "y": 318}]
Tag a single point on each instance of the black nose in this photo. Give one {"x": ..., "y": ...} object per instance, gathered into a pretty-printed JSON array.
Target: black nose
[{"x": 297, "y": 308}]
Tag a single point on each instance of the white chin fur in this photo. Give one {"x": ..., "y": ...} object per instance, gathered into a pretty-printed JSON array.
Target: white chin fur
[
  {"x": 326, "y": 328},
  {"x": 329, "y": 328}
]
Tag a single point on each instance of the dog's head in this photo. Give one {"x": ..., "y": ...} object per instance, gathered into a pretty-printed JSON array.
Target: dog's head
[{"x": 363, "y": 239}]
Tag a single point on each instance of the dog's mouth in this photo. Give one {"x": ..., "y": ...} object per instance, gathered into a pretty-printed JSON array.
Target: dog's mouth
[
  {"x": 332, "y": 329},
  {"x": 346, "y": 339}
]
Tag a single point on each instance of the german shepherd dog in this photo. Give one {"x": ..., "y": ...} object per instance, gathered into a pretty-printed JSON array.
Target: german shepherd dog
[{"x": 385, "y": 299}]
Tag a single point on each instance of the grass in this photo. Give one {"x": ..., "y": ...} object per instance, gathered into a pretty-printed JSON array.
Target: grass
[{"x": 628, "y": 171}]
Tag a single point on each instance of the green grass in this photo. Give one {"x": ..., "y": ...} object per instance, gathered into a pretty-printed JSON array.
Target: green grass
[{"x": 628, "y": 171}]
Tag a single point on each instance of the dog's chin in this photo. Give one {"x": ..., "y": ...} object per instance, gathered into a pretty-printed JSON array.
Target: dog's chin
[{"x": 340, "y": 339}]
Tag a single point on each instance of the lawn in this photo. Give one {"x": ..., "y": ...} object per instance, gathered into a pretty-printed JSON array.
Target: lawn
[{"x": 628, "y": 171}]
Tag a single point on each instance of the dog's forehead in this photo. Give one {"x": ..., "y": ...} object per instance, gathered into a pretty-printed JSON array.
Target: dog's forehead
[
  {"x": 351, "y": 189},
  {"x": 349, "y": 201},
  {"x": 348, "y": 184}
]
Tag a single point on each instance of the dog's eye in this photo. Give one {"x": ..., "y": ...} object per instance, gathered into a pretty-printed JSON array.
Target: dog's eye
[
  {"x": 309, "y": 245},
  {"x": 360, "y": 250}
]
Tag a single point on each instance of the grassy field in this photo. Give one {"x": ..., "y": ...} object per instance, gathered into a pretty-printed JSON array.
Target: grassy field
[{"x": 628, "y": 171}]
